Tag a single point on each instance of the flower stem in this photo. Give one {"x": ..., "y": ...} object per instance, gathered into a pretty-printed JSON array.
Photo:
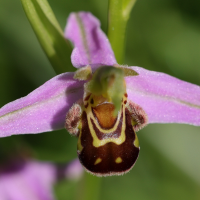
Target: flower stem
[
  {"x": 90, "y": 187},
  {"x": 119, "y": 11},
  {"x": 49, "y": 34}
]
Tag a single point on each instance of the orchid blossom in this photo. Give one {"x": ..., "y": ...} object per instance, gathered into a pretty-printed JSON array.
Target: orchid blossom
[
  {"x": 76, "y": 100},
  {"x": 34, "y": 180}
]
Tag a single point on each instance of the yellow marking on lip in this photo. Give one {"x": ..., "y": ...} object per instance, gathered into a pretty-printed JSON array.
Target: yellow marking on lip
[
  {"x": 90, "y": 115},
  {"x": 96, "y": 141},
  {"x": 98, "y": 160},
  {"x": 106, "y": 131},
  {"x": 136, "y": 141},
  {"x": 79, "y": 146},
  {"x": 118, "y": 160},
  {"x": 106, "y": 118}
]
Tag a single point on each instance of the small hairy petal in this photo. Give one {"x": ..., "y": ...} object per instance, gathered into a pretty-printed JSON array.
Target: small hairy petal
[
  {"x": 91, "y": 46},
  {"x": 42, "y": 110},
  {"x": 164, "y": 98}
]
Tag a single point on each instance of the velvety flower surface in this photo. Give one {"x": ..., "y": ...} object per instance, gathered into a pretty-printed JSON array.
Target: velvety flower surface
[
  {"x": 34, "y": 180},
  {"x": 164, "y": 98}
]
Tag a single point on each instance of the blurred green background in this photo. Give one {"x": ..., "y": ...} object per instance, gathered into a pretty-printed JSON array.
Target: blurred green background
[{"x": 161, "y": 36}]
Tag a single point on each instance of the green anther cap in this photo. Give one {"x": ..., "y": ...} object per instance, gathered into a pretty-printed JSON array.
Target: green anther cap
[{"x": 109, "y": 82}]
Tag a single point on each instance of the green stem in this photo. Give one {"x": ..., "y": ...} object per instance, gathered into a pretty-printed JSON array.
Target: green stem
[
  {"x": 90, "y": 186},
  {"x": 119, "y": 11},
  {"x": 49, "y": 34}
]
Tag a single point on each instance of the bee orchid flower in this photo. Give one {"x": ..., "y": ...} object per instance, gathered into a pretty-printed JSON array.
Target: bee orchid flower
[
  {"x": 31, "y": 179},
  {"x": 102, "y": 103}
]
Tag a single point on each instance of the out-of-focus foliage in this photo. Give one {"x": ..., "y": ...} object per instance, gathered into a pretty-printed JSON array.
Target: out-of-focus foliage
[{"x": 161, "y": 36}]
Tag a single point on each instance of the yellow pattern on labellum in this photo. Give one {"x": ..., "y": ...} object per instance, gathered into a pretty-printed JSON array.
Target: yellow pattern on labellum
[
  {"x": 136, "y": 141},
  {"x": 98, "y": 160},
  {"x": 118, "y": 160},
  {"x": 79, "y": 146},
  {"x": 100, "y": 131},
  {"x": 97, "y": 142}
]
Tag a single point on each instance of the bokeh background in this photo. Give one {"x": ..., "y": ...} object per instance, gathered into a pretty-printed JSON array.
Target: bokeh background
[{"x": 161, "y": 36}]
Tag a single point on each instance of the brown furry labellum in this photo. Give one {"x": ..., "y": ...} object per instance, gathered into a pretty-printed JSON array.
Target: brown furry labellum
[{"x": 107, "y": 144}]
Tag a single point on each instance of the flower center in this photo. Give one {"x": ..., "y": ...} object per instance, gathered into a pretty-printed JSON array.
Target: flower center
[
  {"x": 105, "y": 122},
  {"x": 104, "y": 113}
]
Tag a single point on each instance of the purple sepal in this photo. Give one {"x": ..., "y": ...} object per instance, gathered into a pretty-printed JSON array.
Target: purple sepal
[
  {"x": 165, "y": 99},
  {"x": 42, "y": 110},
  {"x": 91, "y": 46}
]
